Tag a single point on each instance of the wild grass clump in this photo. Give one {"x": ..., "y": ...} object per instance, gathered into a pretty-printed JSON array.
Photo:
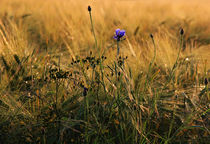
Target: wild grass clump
[{"x": 87, "y": 81}]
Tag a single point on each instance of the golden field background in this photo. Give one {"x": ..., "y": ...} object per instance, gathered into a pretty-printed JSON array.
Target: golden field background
[
  {"x": 53, "y": 90},
  {"x": 63, "y": 27}
]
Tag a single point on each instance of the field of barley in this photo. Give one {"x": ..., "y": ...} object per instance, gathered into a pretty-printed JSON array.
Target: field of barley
[{"x": 104, "y": 72}]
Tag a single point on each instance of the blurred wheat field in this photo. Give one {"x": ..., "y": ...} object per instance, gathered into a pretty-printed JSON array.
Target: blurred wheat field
[
  {"x": 65, "y": 24},
  {"x": 39, "y": 36}
]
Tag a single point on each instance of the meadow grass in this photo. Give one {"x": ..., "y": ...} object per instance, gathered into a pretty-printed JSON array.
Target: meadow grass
[{"x": 65, "y": 79}]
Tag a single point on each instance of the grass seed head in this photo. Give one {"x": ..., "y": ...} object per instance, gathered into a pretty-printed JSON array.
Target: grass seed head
[
  {"x": 181, "y": 31},
  {"x": 89, "y": 8}
]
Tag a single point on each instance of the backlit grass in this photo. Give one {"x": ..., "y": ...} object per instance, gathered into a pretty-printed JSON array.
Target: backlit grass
[{"x": 65, "y": 79}]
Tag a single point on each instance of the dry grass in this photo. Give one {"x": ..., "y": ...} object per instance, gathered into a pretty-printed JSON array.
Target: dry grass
[
  {"x": 45, "y": 33},
  {"x": 66, "y": 24}
]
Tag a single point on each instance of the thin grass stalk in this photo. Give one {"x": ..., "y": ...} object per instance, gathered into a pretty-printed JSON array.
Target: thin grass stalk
[
  {"x": 180, "y": 48},
  {"x": 177, "y": 59},
  {"x": 92, "y": 26},
  {"x": 151, "y": 63},
  {"x": 96, "y": 44},
  {"x": 178, "y": 55},
  {"x": 118, "y": 48},
  {"x": 85, "y": 97},
  {"x": 32, "y": 83}
]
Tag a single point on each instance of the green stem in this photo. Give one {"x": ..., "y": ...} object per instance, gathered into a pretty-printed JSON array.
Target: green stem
[
  {"x": 96, "y": 45},
  {"x": 175, "y": 65},
  {"x": 151, "y": 63},
  {"x": 181, "y": 45},
  {"x": 118, "y": 48},
  {"x": 91, "y": 20}
]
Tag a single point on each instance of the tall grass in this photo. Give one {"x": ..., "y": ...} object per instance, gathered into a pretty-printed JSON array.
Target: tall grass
[{"x": 60, "y": 81}]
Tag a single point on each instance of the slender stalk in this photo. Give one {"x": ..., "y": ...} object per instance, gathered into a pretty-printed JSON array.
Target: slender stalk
[
  {"x": 85, "y": 97},
  {"x": 116, "y": 64},
  {"x": 30, "y": 101},
  {"x": 152, "y": 61},
  {"x": 181, "y": 45},
  {"x": 92, "y": 26},
  {"x": 96, "y": 44},
  {"x": 118, "y": 48},
  {"x": 177, "y": 59}
]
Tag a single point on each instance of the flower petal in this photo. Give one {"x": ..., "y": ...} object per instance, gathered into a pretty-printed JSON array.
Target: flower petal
[
  {"x": 117, "y": 31},
  {"x": 122, "y": 33}
]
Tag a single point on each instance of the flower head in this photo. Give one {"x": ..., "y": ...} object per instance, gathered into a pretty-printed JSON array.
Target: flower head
[
  {"x": 119, "y": 34},
  {"x": 89, "y": 8},
  {"x": 181, "y": 31}
]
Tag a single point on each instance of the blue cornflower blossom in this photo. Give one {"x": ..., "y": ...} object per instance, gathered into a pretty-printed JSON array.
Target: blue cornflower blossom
[{"x": 119, "y": 34}]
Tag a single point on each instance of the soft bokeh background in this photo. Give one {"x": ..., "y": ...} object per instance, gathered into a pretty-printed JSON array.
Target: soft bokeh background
[{"x": 63, "y": 27}]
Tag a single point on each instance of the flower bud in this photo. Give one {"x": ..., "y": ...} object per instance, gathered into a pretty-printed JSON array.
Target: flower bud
[
  {"x": 181, "y": 31},
  {"x": 89, "y": 8}
]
